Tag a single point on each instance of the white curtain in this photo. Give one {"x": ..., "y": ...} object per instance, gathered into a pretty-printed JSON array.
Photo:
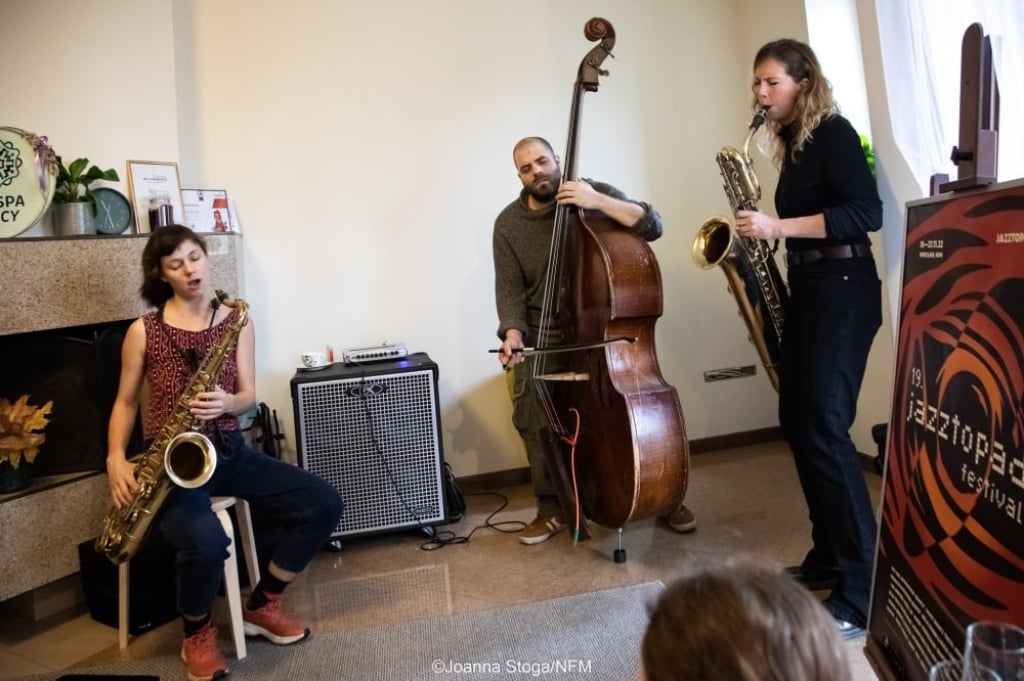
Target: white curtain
[{"x": 921, "y": 43}]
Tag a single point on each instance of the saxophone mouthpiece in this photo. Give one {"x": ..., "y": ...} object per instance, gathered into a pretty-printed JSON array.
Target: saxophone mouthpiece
[{"x": 759, "y": 118}]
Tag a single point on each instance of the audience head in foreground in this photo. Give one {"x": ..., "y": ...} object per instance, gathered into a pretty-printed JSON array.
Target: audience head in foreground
[{"x": 740, "y": 622}]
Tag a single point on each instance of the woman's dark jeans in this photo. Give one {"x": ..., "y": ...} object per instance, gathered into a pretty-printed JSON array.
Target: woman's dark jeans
[
  {"x": 307, "y": 507},
  {"x": 834, "y": 312}
]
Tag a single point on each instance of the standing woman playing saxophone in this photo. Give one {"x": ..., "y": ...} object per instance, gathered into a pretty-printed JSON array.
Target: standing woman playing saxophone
[
  {"x": 162, "y": 350},
  {"x": 827, "y": 202}
]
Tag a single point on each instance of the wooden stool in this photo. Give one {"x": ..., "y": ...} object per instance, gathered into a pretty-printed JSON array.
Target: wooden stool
[{"x": 220, "y": 506}]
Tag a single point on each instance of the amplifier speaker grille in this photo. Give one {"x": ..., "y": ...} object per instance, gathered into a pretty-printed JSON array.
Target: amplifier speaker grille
[{"x": 376, "y": 438}]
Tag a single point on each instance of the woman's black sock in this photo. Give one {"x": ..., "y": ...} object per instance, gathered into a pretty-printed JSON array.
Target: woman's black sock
[
  {"x": 192, "y": 627},
  {"x": 268, "y": 584}
]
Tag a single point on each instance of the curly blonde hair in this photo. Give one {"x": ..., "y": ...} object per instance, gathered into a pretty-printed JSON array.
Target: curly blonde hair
[{"x": 813, "y": 103}]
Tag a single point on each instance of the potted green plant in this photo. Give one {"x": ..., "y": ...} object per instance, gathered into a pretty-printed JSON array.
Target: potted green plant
[{"x": 74, "y": 207}]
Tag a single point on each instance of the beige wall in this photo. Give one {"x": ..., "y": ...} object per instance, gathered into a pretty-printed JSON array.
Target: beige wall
[
  {"x": 366, "y": 145},
  {"x": 95, "y": 76}
]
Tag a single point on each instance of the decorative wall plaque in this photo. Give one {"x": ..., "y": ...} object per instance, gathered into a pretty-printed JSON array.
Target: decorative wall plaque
[{"x": 28, "y": 177}]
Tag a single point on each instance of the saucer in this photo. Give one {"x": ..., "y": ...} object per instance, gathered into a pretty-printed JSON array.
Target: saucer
[{"x": 313, "y": 368}]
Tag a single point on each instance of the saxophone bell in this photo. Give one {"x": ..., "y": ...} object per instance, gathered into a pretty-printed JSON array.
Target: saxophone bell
[
  {"x": 713, "y": 242},
  {"x": 190, "y": 460}
]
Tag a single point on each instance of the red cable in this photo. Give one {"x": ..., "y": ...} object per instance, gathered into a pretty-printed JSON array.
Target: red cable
[{"x": 571, "y": 441}]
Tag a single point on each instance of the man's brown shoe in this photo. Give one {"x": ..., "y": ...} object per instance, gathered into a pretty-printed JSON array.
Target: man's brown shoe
[
  {"x": 682, "y": 521},
  {"x": 541, "y": 529}
]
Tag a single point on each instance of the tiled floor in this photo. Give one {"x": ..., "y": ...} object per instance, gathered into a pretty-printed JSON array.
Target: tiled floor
[{"x": 747, "y": 501}]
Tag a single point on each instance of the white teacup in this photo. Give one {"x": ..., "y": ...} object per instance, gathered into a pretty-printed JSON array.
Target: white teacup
[{"x": 313, "y": 360}]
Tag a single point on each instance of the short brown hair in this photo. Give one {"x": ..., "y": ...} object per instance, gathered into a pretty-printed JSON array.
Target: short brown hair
[
  {"x": 163, "y": 241},
  {"x": 739, "y": 621}
]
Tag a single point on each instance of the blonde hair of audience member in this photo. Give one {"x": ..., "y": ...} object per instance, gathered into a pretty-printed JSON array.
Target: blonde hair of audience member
[{"x": 740, "y": 622}]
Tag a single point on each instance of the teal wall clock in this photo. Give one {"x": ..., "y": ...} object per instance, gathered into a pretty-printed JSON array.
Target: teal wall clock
[{"x": 113, "y": 212}]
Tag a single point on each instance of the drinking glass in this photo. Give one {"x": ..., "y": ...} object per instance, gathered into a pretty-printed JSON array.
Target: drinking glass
[
  {"x": 999, "y": 646},
  {"x": 953, "y": 670}
]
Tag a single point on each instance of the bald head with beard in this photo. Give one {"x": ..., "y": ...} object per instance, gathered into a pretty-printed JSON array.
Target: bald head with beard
[{"x": 538, "y": 169}]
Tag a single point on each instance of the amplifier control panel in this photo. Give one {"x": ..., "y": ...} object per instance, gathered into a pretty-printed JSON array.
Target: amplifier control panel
[{"x": 374, "y": 353}]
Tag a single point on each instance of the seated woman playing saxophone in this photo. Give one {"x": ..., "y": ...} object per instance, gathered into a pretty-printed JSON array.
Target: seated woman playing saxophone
[{"x": 162, "y": 350}]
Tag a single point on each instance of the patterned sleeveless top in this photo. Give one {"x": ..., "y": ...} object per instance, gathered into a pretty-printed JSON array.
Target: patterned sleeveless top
[{"x": 168, "y": 370}]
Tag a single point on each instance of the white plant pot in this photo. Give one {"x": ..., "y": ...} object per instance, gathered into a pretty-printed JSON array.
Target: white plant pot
[{"x": 73, "y": 219}]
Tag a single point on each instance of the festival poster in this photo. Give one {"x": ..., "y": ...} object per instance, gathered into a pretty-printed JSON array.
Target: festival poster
[{"x": 951, "y": 537}]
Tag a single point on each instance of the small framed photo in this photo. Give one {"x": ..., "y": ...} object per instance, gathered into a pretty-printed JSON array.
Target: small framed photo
[
  {"x": 155, "y": 192},
  {"x": 207, "y": 210}
]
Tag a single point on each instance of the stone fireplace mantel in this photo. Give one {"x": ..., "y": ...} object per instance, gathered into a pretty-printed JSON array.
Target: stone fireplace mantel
[{"x": 56, "y": 283}]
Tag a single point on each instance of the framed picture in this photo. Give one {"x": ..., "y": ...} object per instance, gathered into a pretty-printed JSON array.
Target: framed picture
[
  {"x": 155, "y": 192},
  {"x": 207, "y": 210}
]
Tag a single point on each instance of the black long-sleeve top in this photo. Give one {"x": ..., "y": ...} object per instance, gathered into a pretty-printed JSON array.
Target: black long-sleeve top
[{"x": 829, "y": 176}]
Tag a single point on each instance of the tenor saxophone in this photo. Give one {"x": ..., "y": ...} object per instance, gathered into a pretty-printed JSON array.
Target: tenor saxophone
[
  {"x": 748, "y": 263},
  {"x": 178, "y": 455}
]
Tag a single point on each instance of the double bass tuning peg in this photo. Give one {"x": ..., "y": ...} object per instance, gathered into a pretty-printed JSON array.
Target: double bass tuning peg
[{"x": 595, "y": 64}]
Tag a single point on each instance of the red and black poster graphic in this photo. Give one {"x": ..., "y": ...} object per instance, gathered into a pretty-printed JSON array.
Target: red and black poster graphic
[{"x": 951, "y": 536}]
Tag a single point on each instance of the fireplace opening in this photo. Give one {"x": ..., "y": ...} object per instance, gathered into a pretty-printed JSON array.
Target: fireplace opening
[{"x": 78, "y": 368}]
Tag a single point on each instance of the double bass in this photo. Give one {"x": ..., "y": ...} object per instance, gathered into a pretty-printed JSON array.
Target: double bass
[{"x": 616, "y": 445}]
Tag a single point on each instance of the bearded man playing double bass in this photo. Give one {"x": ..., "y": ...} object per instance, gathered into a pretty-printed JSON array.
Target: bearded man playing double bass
[{"x": 522, "y": 242}]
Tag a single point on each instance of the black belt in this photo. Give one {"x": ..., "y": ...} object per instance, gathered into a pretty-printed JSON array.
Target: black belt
[{"x": 809, "y": 255}]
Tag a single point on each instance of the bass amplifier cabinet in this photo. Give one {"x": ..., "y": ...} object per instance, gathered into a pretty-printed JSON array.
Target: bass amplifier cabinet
[{"x": 374, "y": 432}]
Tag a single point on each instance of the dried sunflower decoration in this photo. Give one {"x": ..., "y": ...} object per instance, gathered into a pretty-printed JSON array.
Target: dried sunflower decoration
[{"x": 18, "y": 425}]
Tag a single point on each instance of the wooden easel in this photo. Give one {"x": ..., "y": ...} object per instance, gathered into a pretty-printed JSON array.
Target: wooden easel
[{"x": 976, "y": 155}]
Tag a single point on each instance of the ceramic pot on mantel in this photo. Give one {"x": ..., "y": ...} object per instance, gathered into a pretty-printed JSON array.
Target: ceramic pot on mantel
[
  {"x": 14, "y": 479},
  {"x": 73, "y": 219}
]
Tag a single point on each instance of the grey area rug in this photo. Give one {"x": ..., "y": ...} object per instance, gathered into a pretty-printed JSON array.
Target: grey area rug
[{"x": 594, "y": 636}]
